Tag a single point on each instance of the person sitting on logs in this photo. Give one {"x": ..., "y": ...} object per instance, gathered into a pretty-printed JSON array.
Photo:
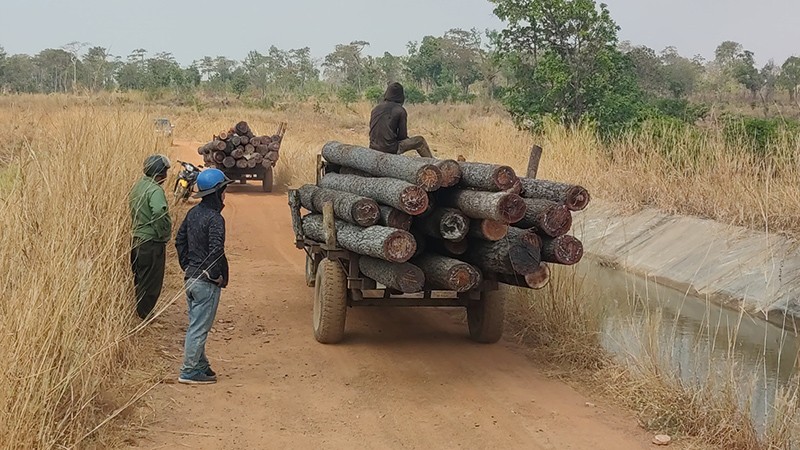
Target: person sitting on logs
[{"x": 388, "y": 130}]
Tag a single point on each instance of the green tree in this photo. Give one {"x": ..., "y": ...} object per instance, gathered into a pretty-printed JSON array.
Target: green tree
[
  {"x": 425, "y": 64},
  {"x": 98, "y": 69},
  {"x": 744, "y": 71},
  {"x": 790, "y": 76},
  {"x": 20, "y": 73},
  {"x": 648, "y": 66},
  {"x": 374, "y": 94},
  {"x": 239, "y": 81},
  {"x": 346, "y": 66},
  {"x": 680, "y": 74},
  {"x": 565, "y": 64}
]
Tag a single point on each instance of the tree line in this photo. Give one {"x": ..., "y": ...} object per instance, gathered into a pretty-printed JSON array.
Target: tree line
[{"x": 556, "y": 58}]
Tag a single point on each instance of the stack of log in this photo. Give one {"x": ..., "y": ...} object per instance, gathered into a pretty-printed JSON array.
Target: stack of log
[
  {"x": 239, "y": 147},
  {"x": 430, "y": 224}
]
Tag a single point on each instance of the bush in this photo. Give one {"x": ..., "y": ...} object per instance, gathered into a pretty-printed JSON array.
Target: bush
[
  {"x": 374, "y": 94},
  {"x": 347, "y": 94},
  {"x": 415, "y": 95},
  {"x": 681, "y": 109},
  {"x": 442, "y": 94},
  {"x": 764, "y": 138}
]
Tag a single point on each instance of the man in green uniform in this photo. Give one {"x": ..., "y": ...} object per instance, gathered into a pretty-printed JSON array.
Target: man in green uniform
[{"x": 152, "y": 227}]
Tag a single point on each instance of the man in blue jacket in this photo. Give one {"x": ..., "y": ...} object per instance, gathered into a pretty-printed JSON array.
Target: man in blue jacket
[{"x": 201, "y": 252}]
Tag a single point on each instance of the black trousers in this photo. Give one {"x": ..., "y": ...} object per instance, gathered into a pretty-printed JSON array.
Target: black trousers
[{"x": 148, "y": 261}]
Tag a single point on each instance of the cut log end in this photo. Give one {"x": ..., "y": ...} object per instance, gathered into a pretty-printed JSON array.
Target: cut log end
[
  {"x": 463, "y": 277},
  {"x": 566, "y": 250},
  {"x": 512, "y": 208},
  {"x": 365, "y": 212},
  {"x": 490, "y": 230},
  {"x": 451, "y": 172},
  {"x": 400, "y": 246},
  {"x": 505, "y": 178},
  {"x": 414, "y": 200},
  {"x": 454, "y": 227},
  {"x": 429, "y": 178},
  {"x": 539, "y": 279},
  {"x": 577, "y": 198}
]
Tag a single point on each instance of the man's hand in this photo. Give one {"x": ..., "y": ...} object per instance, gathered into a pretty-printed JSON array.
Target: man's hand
[{"x": 218, "y": 281}]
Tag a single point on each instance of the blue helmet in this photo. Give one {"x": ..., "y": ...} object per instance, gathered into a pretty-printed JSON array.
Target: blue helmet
[{"x": 210, "y": 181}]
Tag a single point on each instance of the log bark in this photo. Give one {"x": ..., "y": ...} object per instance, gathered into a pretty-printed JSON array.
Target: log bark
[
  {"x": 394, "y": 218},
  {"x": 236, "y": 141},
  {"x": 451, "y": 170},
  {"x": 546, "y": 217},
  {"x": 249, "y": 149},
  {"x": 267, "y": 163},
  {"x": 399, "y": 194},
  {"x": 574, "y": 197},
  {"x": 238, "y": 152},
  {"x": 379, "y": 164},
  {"x": 566, "y": 250},
  {"x": 445, "y": 223},
  {"x": 388, "y": 244},
  {"x": 257, "y": 157},
  {"x": 349, "y": 207},
  {"x": 219, "y": 157},
  {"x": 344, "y": 170},
  {"x": 508, "y": 256},
  {"x": 488, "y": 230},
  {"x": 536, "y": 280},
  {"x": 404, "y": 277},
  {"x": 500, "y": 206},
  {"x": 241, "y": 163},
  {"x": 294, "y": 207},
  {"x": 251, "y": 163},
  {"x": 255, "y": 141},
  {"x": 244, "y": 140},
  {"x": 229, "y": 162},
  {"x": 487, "y": 177},
  {"x": 263, "y": 149},
  {"x": 446, "y": 273},
  {"x": 272, "y": 156}
]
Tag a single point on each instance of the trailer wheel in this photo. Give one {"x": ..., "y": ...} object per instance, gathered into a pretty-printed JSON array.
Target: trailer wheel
[
  {"x": 266, "y": 184},
  {"x": 330, "y": 302},
  {"x": 311, "y": 270},
  {"x": 486, "y": 318}
]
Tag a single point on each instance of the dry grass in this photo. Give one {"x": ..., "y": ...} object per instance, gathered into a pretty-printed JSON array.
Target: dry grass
[{"x": 66, "y": 311}]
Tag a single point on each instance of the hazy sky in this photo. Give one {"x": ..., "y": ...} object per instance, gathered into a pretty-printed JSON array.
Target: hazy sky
[{"x": 193, "y": 29}]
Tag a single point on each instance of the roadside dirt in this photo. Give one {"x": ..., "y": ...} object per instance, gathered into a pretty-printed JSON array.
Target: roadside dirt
[{"x": 403, "y": 378}]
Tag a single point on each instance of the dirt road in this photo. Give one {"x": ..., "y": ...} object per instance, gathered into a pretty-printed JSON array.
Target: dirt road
[{"x": 404, "y": 378}]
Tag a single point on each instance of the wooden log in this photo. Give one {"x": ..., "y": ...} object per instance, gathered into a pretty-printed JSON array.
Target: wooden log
[
  {"x": 255, "y": 141},
  {"x": 422, "y": 242},
  {"x": 229, "y": 162},
  {"x": 329, "y": 225},
  {"x": 445, "y": 223},
  {"x": 507, "y": 256},
  {"x": 399, "y": 194},
  {"x": 574, "y": 197},
  {"x": 274, "y": 147},
  {"x": 536, "y": 280},
  {"x": 242, "y": 128},
  {"x": 394, "y": 218},
  {"x": 528, "y": 237},
  {"x": 546, "y": 217},
  {"x": 442, "y": 272},
  {"x": 238, "y": 152},
  {"x": 389, "y": 244},
  {"x": 257, "y": 157},
  {"x": 223, "y": 135},
  {"x": 267, "y": 163},
  {"x": 488, "y": 230},
  {"x": 294, "y": 207},
  {"x": 219, "y": 157},
  {"x": 236, "y": 141},
  {"x": 272, "y": 156},
  {"x": 456, "y": 247},
  {"x": 244, "y": 140},
  {"x": 251, "y": 163},
  {"x": 404, "y": 277},
  {"x": 263, "y": 149},
  {"x": 349, "y": 207},
  {"x": 500, "y": 206},
  {"x": 451, "y": 170},
  {"x": 379, "y": 164},
  {"x": 533, "y": 161},
  {"x": 566, "y": 250},
  {"x": 249, "y": 149},
  {"x": 344, "y": 170},
  {"x": 241, "y": 163},
  {"x": 487, "y": 177}
]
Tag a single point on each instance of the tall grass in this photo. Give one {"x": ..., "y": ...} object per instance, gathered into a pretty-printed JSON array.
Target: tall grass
[{"x": 64, "y": 271}]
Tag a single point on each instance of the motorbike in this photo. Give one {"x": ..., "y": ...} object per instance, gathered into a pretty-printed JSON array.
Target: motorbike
[{"x": 186, "y": 180}]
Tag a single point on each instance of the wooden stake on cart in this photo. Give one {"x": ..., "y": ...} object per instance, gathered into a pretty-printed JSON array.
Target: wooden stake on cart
[{"x": 329, "y": 225}]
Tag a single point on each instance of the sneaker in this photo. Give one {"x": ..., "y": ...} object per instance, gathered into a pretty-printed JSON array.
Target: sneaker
[
  {"x": 211, "y": 373},
  {"x": 197, "y": 379}
]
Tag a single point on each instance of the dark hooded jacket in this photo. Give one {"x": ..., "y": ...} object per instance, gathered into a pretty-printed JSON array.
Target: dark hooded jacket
[
  {"x": 388, "y": 122},
  {"x": 201, "y": 241}
]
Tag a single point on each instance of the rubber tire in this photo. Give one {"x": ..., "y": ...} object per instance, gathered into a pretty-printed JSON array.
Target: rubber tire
[
  {"x": 486, "y": 318},
  {"x": 266, "y": 183},
  {"x": 330, "y": 302},
  {"x": 311, "y": 271}
]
